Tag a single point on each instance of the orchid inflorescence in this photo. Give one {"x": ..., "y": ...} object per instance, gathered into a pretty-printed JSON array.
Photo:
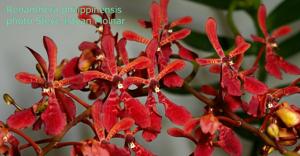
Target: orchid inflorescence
[{"x": 115, "y": 82}]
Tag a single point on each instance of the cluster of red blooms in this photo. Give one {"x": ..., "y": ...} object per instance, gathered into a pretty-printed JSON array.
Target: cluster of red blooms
[{"x": 115, "y": 81}]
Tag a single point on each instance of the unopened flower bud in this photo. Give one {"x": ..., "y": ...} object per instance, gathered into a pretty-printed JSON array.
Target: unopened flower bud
[
  {"x": 10, "y": 101},
  {"x": 288, "y": 116},
  {"x": 273, "y": 130}
]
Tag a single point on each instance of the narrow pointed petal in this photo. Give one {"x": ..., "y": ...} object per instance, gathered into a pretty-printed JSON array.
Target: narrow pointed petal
[
  {"x": 91, "y": 75},
  {"x": 108, "y": 45},
  {"x": 164, "y": 11},
  {"x": 254, "y": 86},
  {"x": 178, "y": 35},
  {"x": 53, "y": 118},
  {"x": 139, "y": 63},
  {"x": 173, "y": 66},
  {"x": 122, "y": 125},
  {"x": 73, "y": 80},
  {"x": 203, "y": 150},
  {"x": 257, "y": 39},
  {"x": 211, "y": 30},
  {"x": 281, "y": 31},
  {"x": 186, "y": 53},
  {"x": 288, "y": 67},
  {"x": 155, "y": 19},
  {"x": 241, "y": 47},
  {"x": 51, "y": 49},
  {"x": 150, "y": 52},
  {"x": 121, "y": 48},
  {"x": 132, "y": 36},
  {"x": 21, "y": 119},
  {"x": 261, "y": 16},
  {"x": 204, "y": 62},
  {"x": 39, "y": 59},
  {"x": 136, "y": 110},
  {"x": 176, "y": 132},
  {"x": 209, "y": 90},
  {"x": 181, "y": 21},
  {"x": 110, "y": 110},
  {"x": 28, "y": 78},
  {"x": 177, "y": 114},
  {"x": 229, "y": 142},
  {"x": 191, "y": 125}
]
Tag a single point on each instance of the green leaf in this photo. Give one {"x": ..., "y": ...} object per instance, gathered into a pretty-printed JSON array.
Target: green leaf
[
  {"x": 219, "y": 4},
  {"x": 290, "y": 46},
  {"x": 285, "y": 13},
  {"x": 224, "y": 4}
]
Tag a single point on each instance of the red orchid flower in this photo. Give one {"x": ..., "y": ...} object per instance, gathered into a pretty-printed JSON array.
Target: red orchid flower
[
  {"x": 177, "y": 114},
  {"x": 54, "y": 116},
  {"x": 114, "y": 75},
  {"x": 207, "y": 132},
  {"x": 274, "y": 62},
  {"x": 259, "y": 104},
  {"x": 9, "y": 144},
  {"x": 163, "y": 33},
  {"x": 93, "y": 147},
  {"x": 230, "y": 75}
]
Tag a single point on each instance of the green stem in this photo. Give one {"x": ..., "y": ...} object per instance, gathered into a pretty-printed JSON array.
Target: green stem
[{"x": 230, "y": 21}]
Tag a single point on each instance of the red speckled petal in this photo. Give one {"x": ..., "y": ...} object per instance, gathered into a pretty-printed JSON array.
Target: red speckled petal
[
  {"x": 155, "y": 19},
  {"x": 121, "y": 48},
  {"x": 51, "y": 49},
  {"x": 281, "y": 31},
  {"x": 136, "y": 110},
  {"x": 122, "y": 125},
  {"x": 21, "y": 119},
  {"x": 177, "y": 114},
  {"x": 132, "y": 36},
  {"x": 28, "y": 78},
  {"x": 204, "y": 62},
  {"x": 173, "y": 66},
  {"x": 53, "y": 118},
  {"x": 108, "y": 45},
  {"x": 181, "y": 21},
  {"x": 229, "y": 142},
  {"x": 139, "y": 63},
  {"x": 178, "y": 35},
  {"x": 254, "y": 86},
  {"x": 211, "y": 30},
  {"x": 261, "y": 16}
]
